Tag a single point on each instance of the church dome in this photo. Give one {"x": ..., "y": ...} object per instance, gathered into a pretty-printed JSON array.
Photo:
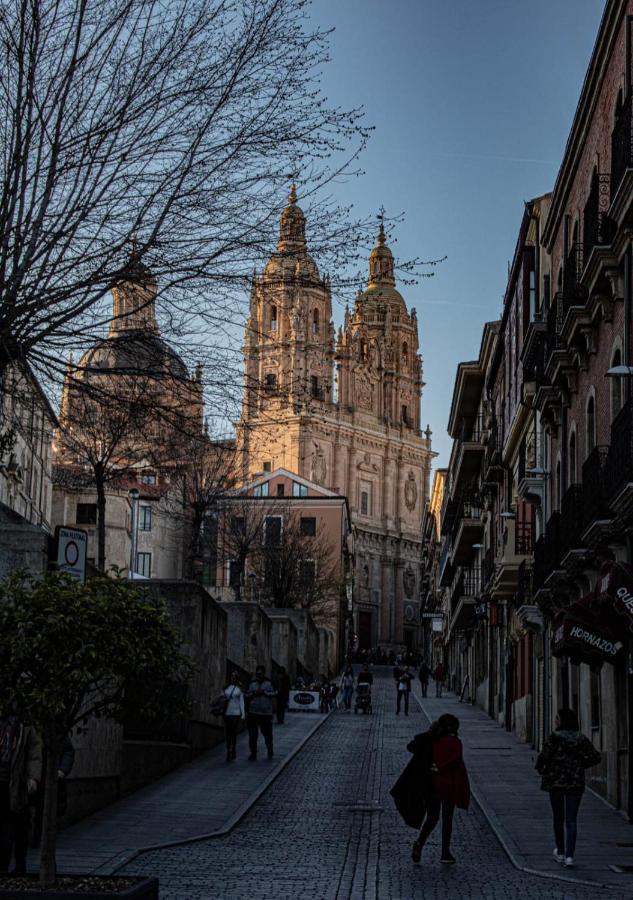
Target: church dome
[{"x": 135, "y": 353}]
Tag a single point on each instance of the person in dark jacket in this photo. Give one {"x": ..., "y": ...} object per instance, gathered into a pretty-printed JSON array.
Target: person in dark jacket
[
  {"x": 365, "y": 676},
  {"x": 424, "y": 675},
  {"x": 283, "y": 694},
  {"x": 413, "y": 791},
  {"x": 260, "y": 695},
  {"x": 561, "y": 763},
  {"x": 450, "y": 785},
  {"x": 403, "y": 689}
]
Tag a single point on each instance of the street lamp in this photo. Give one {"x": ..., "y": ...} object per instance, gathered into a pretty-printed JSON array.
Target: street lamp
[{"x": 134, "y": 495}]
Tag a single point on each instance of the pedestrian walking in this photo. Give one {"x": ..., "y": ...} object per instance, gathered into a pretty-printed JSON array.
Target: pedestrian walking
[
  {"x": 450, "y": 785},
  {"x": 438, "y": 677},
  {"x": 403, "y": 690},
  {"x": 233, "y": 714},
  {"x": 347, "y": 687},
  {"x": 561, "y": 763},
  {"x": 20, "y": 774},
  {"x": 260, "y": 695},
  {"x": 424, "y": 674},
  {"x": 283, "y": 694}
]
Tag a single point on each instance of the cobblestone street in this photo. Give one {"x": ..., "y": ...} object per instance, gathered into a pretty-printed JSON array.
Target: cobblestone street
[{"x": 327, "y": 830}]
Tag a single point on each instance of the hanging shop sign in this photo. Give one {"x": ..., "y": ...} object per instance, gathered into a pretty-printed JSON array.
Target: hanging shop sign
[
  {"x": 304, "y": 700},
  {"x": 615, "y": 589},
  {"x": 584, "y": 641}
]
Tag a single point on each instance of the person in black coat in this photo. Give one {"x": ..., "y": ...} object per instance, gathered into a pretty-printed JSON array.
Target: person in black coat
[{"x": 413, "y": 791}]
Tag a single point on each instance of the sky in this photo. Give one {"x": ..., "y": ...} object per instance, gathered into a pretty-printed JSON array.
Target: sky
[{"x": 472, "y": 103}]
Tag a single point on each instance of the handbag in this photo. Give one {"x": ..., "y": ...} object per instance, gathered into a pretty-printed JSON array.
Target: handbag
[{"x": 220, "y": 704}]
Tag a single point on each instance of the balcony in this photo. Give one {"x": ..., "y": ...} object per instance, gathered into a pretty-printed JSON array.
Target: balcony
[
  {"x": 597, "y": 229},
  {"x": 540, "y": 570},
  {"x": 595, "y": 495},
  {"x": 492, "y": 466},
  {"x": 533, "y": 350},
  {"x": 518, "y": 543},
  {"x": 466, "y": 592},
  {"x": 467, "y": 529},
  {"x": 619, "y": 467},
  {"x": 571, "y": 520},
  {"x": 470, "y": 452},
  {"x": 574, "y": 294}
]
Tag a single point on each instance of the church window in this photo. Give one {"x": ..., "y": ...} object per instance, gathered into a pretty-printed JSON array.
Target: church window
[
  {"x": 270, "y": 381},
  {"x": 364, "y": 503},
  {"x": 363, "y": 349},
  {"x": 315, "y": 387},
  {"x": 273, "y": 318},
  {"x": 405, "y": 415},
  {"x": 315, "y": 322},
  {"x": 405, "y": 354}
]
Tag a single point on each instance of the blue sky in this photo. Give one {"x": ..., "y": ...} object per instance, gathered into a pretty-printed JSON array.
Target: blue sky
[{"x": 472, "y": 102}]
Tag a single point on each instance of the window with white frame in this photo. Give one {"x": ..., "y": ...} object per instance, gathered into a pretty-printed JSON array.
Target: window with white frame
[
  {"x": 145, "y": 518},
  {"x": 273, "y": 318},
  {"x": 144, "y": 564}
]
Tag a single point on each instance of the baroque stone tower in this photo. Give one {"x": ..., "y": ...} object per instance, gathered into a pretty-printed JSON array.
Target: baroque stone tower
[{"x": 360, "y": 436}]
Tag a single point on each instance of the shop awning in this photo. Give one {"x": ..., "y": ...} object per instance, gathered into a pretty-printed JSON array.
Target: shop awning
[
  {"x": 580, "y": 634},
  {"x": 615, "y": 590}
]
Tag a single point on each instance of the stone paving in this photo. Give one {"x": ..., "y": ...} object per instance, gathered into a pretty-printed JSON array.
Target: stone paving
[
  {"x": 198, "y": 798},
  {"x": 327, "y": 830}
]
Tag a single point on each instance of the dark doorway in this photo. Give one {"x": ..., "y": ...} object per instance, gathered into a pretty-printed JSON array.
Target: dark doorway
[{"x": 364, "y": 630}]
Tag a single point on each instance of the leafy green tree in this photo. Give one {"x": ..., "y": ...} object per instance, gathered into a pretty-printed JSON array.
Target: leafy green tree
[{"x": 71, "y": 651}]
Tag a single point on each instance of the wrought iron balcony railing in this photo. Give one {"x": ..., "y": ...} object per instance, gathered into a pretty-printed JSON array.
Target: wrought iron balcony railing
[
  {"x": 523, "y": 538},
  {"x": 619, "y": 468},
  {"x": 594, "y": 486},
  {"x": 571, "y": 519},
  {"x": 597, "y": 228}
]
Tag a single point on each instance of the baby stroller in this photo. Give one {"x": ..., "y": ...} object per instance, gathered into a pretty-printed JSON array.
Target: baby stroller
[{"x": 363, "y": 698}]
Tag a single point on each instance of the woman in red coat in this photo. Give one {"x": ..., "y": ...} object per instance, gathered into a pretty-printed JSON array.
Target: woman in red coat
[{"x": 450, "y": 782}]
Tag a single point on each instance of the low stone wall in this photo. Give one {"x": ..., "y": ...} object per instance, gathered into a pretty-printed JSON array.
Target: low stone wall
[
  {"x": 22, "y": 545},
  {"x": 249, "y": 635},
  {"x": 307, "y": 637},
  {"x": 284, "y": 642}
]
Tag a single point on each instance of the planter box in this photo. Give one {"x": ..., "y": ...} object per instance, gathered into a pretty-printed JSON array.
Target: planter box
[{"x": 137, "y": 889}]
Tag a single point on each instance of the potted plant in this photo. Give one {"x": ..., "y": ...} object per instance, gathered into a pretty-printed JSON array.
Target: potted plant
[{"x": 70, "y": 651}]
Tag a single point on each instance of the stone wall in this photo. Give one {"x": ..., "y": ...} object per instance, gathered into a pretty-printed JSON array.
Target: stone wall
[
  {"x": 249, "y": 635},
  {"x": 307, "y": 638},
  {"x": 22, "y": 545},
  {"x": 284, "y": 642}
]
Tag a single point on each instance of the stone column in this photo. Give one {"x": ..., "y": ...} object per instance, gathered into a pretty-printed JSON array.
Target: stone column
[
  {"x": 398, "y": 571},
  {"x": 341, "y": 452},
  {"x": 385, "y": 570},
  {"x": 388, "y": 486}
]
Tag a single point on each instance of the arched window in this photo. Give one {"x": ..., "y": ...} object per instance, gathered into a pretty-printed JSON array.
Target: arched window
[
  {"x": 405, "y": 354},
  {"x": 559, "y": 488},
  {"x": 616, "y": 385},
  {"x": 590, "y": 422},
  {"x": 573, "y": 458},
  {"x": 315, "y": 322},
  {"x": 273, "y": 318}
]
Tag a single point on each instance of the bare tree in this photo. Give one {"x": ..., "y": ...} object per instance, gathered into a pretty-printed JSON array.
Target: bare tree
[
  {"x": 99, "y": 439},
  {"x": 173, "y": 123}
]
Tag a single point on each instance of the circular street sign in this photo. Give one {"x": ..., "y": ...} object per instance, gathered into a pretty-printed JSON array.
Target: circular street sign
[{"x": 71, "y": 553}]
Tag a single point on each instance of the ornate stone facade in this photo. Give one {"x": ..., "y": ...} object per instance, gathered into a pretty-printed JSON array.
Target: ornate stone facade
[{"x": 359, "y": 435}]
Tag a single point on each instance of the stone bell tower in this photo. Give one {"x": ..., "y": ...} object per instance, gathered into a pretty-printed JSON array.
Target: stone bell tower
[{"x": 288, "y": 346}]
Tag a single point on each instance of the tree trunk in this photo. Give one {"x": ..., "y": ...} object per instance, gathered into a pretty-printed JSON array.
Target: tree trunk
[
  {"x": 101, "y": 524},
  {"x": 48, "y": 867}
]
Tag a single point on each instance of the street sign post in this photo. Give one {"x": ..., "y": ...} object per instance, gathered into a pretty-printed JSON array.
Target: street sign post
[{"x": 72, "y": 544}]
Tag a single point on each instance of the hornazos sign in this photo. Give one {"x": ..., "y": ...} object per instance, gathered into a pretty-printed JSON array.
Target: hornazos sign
[
  {"x": 578, "y": 635},
  {"x": 616, "y": 589}
]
